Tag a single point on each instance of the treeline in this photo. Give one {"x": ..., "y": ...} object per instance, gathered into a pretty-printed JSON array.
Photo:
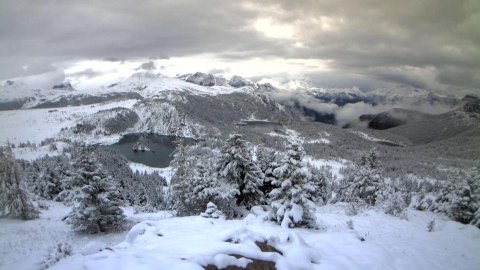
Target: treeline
[
  {"x": 239, "y": 176},
  {"x": 225, "y": 178}
]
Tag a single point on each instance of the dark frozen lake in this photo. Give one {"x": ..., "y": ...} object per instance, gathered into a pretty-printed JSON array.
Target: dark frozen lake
[{"x": 162, "y": 148}]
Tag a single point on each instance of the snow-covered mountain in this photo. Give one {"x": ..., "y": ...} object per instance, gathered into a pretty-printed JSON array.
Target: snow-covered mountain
[
  {"x": 16, "y": 95},
  {"x": 422, "y": 147}
]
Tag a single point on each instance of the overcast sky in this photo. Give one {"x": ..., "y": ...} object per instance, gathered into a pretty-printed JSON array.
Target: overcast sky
[{"x": 429, "y": 44}]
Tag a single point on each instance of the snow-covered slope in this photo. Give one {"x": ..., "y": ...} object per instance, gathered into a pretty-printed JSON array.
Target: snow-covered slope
[
  {"x": 139, "y": 85},
  {"x": 151, "y": 85},
  {"x": 366, "y": 241},
  {"x": 35, "y": 125}
]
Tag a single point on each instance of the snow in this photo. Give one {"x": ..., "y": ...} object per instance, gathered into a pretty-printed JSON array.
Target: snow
[
  {"x": 32, "y": 153},
  {"x": 373, "y": 240},
  {"x": 155, "y": 84},
  {"x": 24, "y": 244},
  {"x": 373, "y": 139},
  {"x": 321, "y": 140},
  {"x": 293, "y": 135},
  {"x": 335, "y": 166},
  {"x": 389, "y": 243},
  {"x": 147, "y": 84},
  {"x": 35, "y": 125},
  {"x": 141, "y": 168}
]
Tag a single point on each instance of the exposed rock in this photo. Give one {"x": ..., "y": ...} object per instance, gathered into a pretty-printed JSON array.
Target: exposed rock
[
  {"x": 64, "y": 86},
  {"x": 237, "y": 81},
  {"x": 256, "y": 264},
  {"x": 265, "y": 87},
  {"x": 201, "y": 79}
]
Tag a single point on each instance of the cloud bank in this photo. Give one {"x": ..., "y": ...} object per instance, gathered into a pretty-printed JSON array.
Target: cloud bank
[{"x": 431, "y": 44}]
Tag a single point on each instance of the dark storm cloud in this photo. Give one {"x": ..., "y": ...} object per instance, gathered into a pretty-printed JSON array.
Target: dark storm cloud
[
  {"x": 38, "y": 33},
  {"x": 424, "y": 44},
  {"x": 112, "y": 59},
  {"x": 394, "y": 35}
]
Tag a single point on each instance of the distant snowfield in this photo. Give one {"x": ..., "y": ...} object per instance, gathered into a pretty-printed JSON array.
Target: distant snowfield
[
  {"x": 333, "y": 165},
  {"x": 373, "y": 139},
  {"x": 161, "y": 241},
  {"x": 146, "y": 84},
  {"x": 35, "y": 125},
  {"x": 142, "y": 168}
]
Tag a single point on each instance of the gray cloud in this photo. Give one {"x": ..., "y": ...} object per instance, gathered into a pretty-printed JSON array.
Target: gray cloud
[
  {"x": 87, "y": 73},
  {"x": 425, "y": 44},
  {"x": 147, "y": 66}
]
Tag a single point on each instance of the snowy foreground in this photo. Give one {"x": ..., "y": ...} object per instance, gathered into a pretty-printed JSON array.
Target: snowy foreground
[{"x": 160, "y": 241}]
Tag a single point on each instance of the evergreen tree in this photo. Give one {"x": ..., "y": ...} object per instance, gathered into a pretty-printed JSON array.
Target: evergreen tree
[
  {"x": 296, "y": 190},
  {"x": 199, "y": 185},
  {"x": 98, "y": 204},
  {"x": 267, "y": 160},
  {"x": 179, "y": 166},
  {"x": 370, "y": 160},
  {"x": 459, "y": 199},
  {"x": 14, "y": 200},
  {"x": 362, "y": 185},
  {"x": 199, "y": 188},
  {"x": 46, "y": 176},
  {"x": 238, "y": 170},
  {"x": 392, "y": 197},
  {"x": 152, "y": 185},
  {"x": 473, "y": 179}
]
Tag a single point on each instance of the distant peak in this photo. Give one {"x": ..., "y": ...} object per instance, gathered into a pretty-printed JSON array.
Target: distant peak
[
  {"x": 9, "y": 83},
  {"x": 208, "y": 79},
  {"x": 237, "y": 81},
  {"x": 146, "y": 75},
  {"x": 299, "y": 85},
  {"x": 63, "y": 86}
]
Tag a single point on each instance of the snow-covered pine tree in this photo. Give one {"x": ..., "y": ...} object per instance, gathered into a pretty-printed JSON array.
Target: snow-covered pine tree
[
  {"x": 362, "y": 184},
  {"x": 189, "y": 191},
  {"x": 179, "y": 166},
  {"x": 199, "y": 185},
  {"x": 267, "y": 160},
  {"x": 473, "y": 179},
  {"x": 392, "y": 197},
  {"x": 153, "y": 190},
  {"x": 370, "y": 160},
  {"x": 461, "y": 197},
  {"x": 98, "y": 208},
  {"x": 48, "y": 182},
  {"x": 296, "y": 191},
  {"x": 14, "y": 200},
  {"x": 238, "y": 170}
]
